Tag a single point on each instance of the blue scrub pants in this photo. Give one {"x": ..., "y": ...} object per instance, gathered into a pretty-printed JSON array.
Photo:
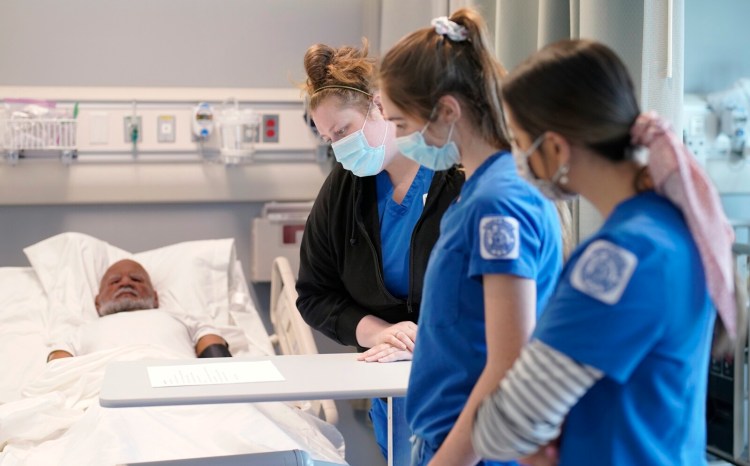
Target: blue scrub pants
[
  {"x": 421, "y": 454},
  {"x": 401, "y": 432}
]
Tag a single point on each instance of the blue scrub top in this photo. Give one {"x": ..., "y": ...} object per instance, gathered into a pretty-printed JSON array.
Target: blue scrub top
[
  {"x": 633, "y": 303},
  {"x": 397, "y": 222},
  {"x": 499, "y": 225}
]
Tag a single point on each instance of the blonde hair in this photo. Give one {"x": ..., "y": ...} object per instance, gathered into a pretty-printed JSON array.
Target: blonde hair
[{"x": 346, "y": 73}]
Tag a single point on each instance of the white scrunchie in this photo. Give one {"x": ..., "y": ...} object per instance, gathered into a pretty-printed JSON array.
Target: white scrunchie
[{"x": 446, "y": 27}]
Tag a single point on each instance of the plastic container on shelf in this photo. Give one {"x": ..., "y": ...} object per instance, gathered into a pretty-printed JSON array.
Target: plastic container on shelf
[{"x": 238, "y": 132}]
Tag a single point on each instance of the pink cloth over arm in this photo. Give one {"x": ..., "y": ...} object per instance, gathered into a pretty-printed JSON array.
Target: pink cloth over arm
[{"x": 678, "y": 177}]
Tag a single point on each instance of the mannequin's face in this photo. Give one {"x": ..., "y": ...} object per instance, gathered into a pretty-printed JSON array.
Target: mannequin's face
[{"x": 125, "y": 286}]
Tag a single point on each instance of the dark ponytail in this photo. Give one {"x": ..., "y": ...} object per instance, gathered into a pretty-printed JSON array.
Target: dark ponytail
[{"x": 579, "y": 89}]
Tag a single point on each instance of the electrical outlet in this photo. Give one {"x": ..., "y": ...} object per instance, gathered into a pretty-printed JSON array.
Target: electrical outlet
[
  {"x": 165, "y": 128},
  {"x": 128, "y": 129},
  {"x": 270, "y": 128}
]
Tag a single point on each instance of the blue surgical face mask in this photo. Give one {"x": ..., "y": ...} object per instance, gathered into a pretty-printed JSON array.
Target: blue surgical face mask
[
  {"x": 551, "y": 188},
  {"x": 356, "y": 155},
  {"x": 414, "y": 147}
]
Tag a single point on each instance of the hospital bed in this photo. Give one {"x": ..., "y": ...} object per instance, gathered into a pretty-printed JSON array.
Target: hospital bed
[
  {"x": 300, "y": 373},
  {"x": 50, "y": 414},
  {"x": 293, "y": 335}
]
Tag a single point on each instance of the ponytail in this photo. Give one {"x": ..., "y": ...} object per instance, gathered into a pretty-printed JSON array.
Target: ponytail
[
  {"x": 479, "y": 40},
  {"x": 427, "y": 64}
]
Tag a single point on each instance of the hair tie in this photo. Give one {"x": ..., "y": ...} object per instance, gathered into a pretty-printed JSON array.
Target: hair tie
[
  {"x": 451, "y": 29},
  {"x": 677, "y": 176},
  {"x": 339, "y": 86}
]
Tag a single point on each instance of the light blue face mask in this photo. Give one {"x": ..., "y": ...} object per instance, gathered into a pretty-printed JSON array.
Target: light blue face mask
[
  {"x": 356, "y": 155},
  {"x": 414, "y": 147}
]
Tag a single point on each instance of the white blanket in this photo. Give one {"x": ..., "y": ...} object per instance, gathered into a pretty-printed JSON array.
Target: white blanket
[{"x": 59, "y": 421}]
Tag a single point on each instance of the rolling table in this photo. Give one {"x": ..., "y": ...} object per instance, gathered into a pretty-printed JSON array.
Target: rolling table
[{"x": 306, "y": 377}]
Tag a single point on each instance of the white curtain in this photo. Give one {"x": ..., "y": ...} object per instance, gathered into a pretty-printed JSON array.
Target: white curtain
[
  {"x": 647, "y": 34},
  {"x": 400, "y": 17}
]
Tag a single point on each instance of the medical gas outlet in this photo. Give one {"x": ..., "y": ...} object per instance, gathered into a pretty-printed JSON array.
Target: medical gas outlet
[
  {"x": 133, "y": 133},
  {"x": 203, "y": 121}
]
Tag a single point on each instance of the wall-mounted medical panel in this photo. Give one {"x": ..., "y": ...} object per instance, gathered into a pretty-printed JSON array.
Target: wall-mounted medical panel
[
  {"x": 103, "y": 129},
  {"x": 148, "y": 145},
  {"x": 150, "y": 121}
]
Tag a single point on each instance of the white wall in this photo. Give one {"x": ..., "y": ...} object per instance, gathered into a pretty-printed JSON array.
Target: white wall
[
  {"x": 131, "y": 227},
  {"x": 717, "y": 37},
  {"x": 155, "y": 43},
  {"x": 193, "y": 43}
]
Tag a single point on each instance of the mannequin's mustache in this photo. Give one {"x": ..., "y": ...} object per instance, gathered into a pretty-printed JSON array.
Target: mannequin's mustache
[{"x": 125, "y": 289}]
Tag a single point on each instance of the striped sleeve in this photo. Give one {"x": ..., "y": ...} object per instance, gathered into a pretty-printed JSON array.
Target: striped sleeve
[{"x": 527, "y": 410}]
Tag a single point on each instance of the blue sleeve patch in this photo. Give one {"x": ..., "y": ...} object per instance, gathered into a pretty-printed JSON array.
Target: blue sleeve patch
[
  {"x": 499, "y": 237},
  {"x": 603, "y": 271}
]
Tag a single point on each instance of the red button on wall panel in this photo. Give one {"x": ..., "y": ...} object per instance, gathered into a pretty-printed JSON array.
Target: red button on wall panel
[{"x": 271, "y": 127}]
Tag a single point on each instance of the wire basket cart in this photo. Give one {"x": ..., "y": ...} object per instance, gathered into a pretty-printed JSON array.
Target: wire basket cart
[{"x": 42, "y": 137}]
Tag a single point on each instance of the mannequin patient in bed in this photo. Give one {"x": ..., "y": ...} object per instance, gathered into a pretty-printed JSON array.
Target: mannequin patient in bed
[{"x": 126, "y": 287}]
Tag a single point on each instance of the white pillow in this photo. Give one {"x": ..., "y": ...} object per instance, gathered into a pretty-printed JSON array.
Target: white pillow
[{"x": 192, "y": 276}]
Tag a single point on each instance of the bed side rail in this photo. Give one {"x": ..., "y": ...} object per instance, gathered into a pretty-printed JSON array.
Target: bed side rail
[{"x": 292, "y": 335}]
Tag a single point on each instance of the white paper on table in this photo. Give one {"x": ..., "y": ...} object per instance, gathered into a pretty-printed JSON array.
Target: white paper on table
[{"x": 214, "y": 374}]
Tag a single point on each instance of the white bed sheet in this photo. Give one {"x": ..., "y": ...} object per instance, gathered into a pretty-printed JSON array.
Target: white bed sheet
[
  {"x": 22, "y": 330},
  {"x": 49, "y": 413}
]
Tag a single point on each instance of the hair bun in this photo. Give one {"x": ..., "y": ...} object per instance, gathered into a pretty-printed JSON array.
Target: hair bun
[
  {"x": 318, "y": 59},
  {"x": 345, "y": 67}
]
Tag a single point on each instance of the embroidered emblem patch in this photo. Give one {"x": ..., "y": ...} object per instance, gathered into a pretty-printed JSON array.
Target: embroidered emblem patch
[
  {"x": 603, "y": 271},
  {"x": 498, "y": 237}
]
